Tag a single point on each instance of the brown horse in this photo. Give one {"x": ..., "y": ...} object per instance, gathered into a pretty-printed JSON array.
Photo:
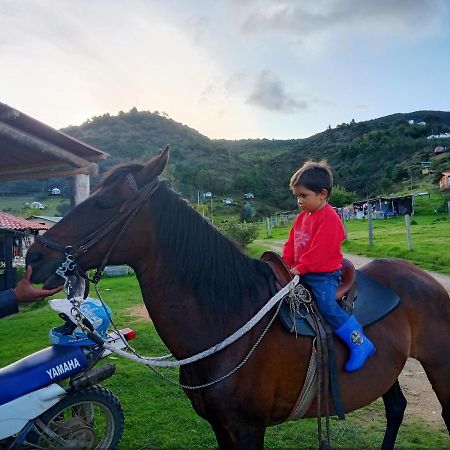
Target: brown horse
[{"x": 199, "y": 288}]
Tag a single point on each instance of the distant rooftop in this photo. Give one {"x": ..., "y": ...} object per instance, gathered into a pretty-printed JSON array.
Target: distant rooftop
[
  {"x": 10, "y": 222},
  {"x": 55, "y": 219}
]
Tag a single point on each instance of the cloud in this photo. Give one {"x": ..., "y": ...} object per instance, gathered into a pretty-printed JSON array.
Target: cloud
[
  {"x": 269, "y": 93},
  {"x": 310, "y": 17}
]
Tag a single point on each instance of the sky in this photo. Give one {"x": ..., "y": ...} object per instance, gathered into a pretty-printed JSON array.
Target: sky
[{"x": 231, "y": 69}]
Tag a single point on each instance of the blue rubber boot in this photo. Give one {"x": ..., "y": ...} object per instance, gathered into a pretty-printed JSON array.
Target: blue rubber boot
[{"x": 360, "y": 346}]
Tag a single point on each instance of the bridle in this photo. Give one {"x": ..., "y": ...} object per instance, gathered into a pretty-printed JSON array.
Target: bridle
[{"x": 126, "y": 215}]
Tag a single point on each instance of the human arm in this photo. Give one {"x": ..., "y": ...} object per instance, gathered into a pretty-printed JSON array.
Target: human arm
[
  {"x": 8, "y": 303},
  {"x": 288, "y": 249},
  {"x": 24, "y": 291}
]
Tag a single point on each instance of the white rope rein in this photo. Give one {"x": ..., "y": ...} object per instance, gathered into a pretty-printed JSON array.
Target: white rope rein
[{"x": 161, "y": 361}]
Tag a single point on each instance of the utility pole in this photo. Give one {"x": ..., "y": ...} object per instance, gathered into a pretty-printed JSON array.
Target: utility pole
[{"x": 212, "y": 217}]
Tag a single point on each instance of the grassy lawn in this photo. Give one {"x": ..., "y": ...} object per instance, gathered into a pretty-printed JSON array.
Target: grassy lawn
[
  {"x": 15, "y": 205},
  {"x": 158, "y": 415}
]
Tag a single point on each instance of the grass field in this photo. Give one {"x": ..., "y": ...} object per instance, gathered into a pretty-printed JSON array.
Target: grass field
[
  {"x": 15, "y": 205},
  {"x": 158, "y": 414}
]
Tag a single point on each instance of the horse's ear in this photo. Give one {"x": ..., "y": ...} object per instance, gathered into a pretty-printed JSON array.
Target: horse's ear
[{"x": 153, "y": 168}]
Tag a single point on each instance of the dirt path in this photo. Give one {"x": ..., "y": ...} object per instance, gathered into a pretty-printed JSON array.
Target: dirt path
[{"x": 422, "y": 401}]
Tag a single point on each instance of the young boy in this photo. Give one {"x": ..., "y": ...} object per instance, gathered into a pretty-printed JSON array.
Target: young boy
[{"x": 313, "y": 251}]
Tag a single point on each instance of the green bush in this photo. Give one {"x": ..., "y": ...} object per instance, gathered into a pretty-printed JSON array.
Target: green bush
[{"x": 241, "y": 233}]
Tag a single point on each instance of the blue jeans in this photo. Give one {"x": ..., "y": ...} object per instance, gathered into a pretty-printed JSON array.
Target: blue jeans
[{"x": 324, "y": 286}]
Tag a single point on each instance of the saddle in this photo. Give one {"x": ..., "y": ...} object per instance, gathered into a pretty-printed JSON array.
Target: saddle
[
  {"x": 374, "y": 301},
  {"x": 283, "y": 276}
]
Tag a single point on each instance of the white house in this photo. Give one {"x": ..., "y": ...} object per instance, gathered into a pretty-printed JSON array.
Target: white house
[
  {"x": 228, "y": 201},
  {"x": 56, "y": 191},
  {"x": 249, "y": 195}
]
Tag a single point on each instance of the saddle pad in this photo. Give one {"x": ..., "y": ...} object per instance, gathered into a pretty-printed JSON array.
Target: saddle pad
[{"x": 374, "y": 302}]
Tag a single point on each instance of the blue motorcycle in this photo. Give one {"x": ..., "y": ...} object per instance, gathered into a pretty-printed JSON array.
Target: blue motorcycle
[{"x": 51, "y": 399}]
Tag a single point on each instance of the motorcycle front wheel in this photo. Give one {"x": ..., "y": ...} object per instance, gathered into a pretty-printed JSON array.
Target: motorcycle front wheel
[{"x": 88, "y": 419}]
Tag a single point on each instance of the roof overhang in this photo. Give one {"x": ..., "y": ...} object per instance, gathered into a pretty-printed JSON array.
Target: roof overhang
[{"x": 31, "y": 149}]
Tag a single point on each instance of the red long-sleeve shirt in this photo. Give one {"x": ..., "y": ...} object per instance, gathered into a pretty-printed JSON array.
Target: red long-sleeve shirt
[{"x": 314, "y": 242}]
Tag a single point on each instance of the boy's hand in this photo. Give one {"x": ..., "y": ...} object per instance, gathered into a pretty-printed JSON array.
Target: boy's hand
[
  {"x": 26, "y": 292},
  {"x": 294, "y": 271}
]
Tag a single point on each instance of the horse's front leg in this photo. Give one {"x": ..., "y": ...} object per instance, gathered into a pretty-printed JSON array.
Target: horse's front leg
[{"x": 239, "y": 436}]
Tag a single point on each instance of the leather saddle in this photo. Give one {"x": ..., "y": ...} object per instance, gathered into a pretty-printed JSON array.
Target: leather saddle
[
  {"x": 375, "y": 301},
  {"x": 283, "y": 275}
]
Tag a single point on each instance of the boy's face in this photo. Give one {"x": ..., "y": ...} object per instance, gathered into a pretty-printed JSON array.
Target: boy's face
[{"x": 310, "y": 201}]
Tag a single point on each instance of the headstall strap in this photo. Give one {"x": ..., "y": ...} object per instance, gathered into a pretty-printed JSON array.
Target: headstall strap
[{"x": 126, "y": 216}]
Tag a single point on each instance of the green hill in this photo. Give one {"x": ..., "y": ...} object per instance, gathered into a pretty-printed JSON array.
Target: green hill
[
  {"x": 371, "y": 157},
  {"x": 374, "y": 157}
]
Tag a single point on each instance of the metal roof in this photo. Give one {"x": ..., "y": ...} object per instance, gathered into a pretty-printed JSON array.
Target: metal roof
[{"x": 32, "y": 149}]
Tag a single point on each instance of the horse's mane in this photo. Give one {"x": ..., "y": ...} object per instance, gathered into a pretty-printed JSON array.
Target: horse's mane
[{"x": 195, "y": 251}]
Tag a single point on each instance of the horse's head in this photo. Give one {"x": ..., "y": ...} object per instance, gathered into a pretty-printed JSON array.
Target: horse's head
[{"x": 92, "y": 230}]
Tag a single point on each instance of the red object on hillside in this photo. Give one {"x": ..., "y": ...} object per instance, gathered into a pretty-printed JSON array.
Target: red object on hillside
[
  {"x": 10, "y": 222},
  {"x": 440, "y": 149}
]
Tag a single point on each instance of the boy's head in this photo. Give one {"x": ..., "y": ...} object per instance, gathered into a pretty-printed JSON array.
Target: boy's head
[
  {"x": 315, "y": 176},
  {"x": 312, "y": 185}
]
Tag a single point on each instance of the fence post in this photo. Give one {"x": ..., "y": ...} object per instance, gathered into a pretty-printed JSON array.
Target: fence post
[
  {"x": 408, "y": 231},
  {"x": 448, "y": 208},
  {"x": 268, "y": 226},
  {"x": 369, "y": 218}
]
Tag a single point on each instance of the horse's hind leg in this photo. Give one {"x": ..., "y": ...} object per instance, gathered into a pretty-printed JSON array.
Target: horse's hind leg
[
  {"x": 395, "y": 405},
  {"x": 439, "y": 376}
]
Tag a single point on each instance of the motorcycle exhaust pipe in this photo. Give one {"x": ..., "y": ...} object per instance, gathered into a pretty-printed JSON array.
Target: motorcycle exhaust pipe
[{"x": 93, "y": 376}]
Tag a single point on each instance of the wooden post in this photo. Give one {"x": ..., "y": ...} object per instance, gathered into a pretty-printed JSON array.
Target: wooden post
[
  {"x": 369, "y": 218},
  {"x": 408, "y": 231},
  {"x": 344, "y": 222},
  {"x": 268, "y": 226},
  {"x": 80, "y": 189},
  {"x": 10, "y": 273},
  {"x": 448, "y": 208}
]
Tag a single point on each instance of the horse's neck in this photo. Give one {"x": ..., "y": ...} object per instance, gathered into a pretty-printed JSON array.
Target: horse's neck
[{"x": 184, "y": 324}]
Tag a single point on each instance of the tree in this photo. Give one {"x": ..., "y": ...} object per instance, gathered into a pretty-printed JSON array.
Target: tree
[
  {"x": 341, "y": 197},
  {"x": 247, "y": 213}
]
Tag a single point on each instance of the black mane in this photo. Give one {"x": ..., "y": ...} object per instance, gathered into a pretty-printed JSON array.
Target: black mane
[{"x": 191, "y": 248}]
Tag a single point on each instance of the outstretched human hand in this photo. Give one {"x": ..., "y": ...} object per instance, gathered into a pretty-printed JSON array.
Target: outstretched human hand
[
  {"x": 294, "y": 271},
  {"x": 26, "y": 292}
]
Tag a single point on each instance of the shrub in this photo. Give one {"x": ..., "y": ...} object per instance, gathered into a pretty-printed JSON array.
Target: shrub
[{"x": 241, "y": 233}]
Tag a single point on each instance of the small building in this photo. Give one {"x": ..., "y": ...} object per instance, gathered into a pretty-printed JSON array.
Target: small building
[
  {"x": 47, "y": 221},
  {"x": 14, "y": 239},
  {"x": 444, "y": 181},
  {"x": 383, "y": 207},
  {"x": 207, "y": 194},
  {"x": 228, "y": 201},
  {"x": 37, "y": 205},
  {"x": 55, "y": 191},
  {"x": 249, "y": 195}
]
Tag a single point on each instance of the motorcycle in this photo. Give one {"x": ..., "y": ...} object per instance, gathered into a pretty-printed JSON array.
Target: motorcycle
[{"x": 52, "y": 399}]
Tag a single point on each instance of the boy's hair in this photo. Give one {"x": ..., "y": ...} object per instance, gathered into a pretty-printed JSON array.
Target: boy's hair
[{"x": 315, "y": 176}]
